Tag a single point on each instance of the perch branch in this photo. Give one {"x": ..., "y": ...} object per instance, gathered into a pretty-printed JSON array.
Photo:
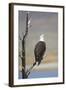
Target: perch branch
[{"x": 29, "y": 70}]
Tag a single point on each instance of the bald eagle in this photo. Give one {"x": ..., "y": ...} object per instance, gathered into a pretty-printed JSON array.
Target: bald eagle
[{"x": 40, "y": 49}]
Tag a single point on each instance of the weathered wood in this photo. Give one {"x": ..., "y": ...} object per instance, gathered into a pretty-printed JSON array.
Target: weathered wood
[{"x": 24, "y": 75}]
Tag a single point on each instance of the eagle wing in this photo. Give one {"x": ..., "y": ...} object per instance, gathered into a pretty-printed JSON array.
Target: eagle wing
[{"x": 39, "y": 50}]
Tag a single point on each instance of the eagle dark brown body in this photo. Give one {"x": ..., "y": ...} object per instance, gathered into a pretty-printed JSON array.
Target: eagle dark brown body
[{"x": 39, "y": 51}]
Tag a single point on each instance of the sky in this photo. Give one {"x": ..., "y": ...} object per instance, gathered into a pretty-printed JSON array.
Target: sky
[{"x": 41, "y": 23}]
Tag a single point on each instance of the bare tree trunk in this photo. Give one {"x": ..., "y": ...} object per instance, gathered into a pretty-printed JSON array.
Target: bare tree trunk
[
  {"x": 24, "y": 72},
  {"x": 24, "y": 75}
]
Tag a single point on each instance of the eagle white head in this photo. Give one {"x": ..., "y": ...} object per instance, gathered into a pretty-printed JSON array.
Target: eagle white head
[{"x": 42, "y": 37}]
